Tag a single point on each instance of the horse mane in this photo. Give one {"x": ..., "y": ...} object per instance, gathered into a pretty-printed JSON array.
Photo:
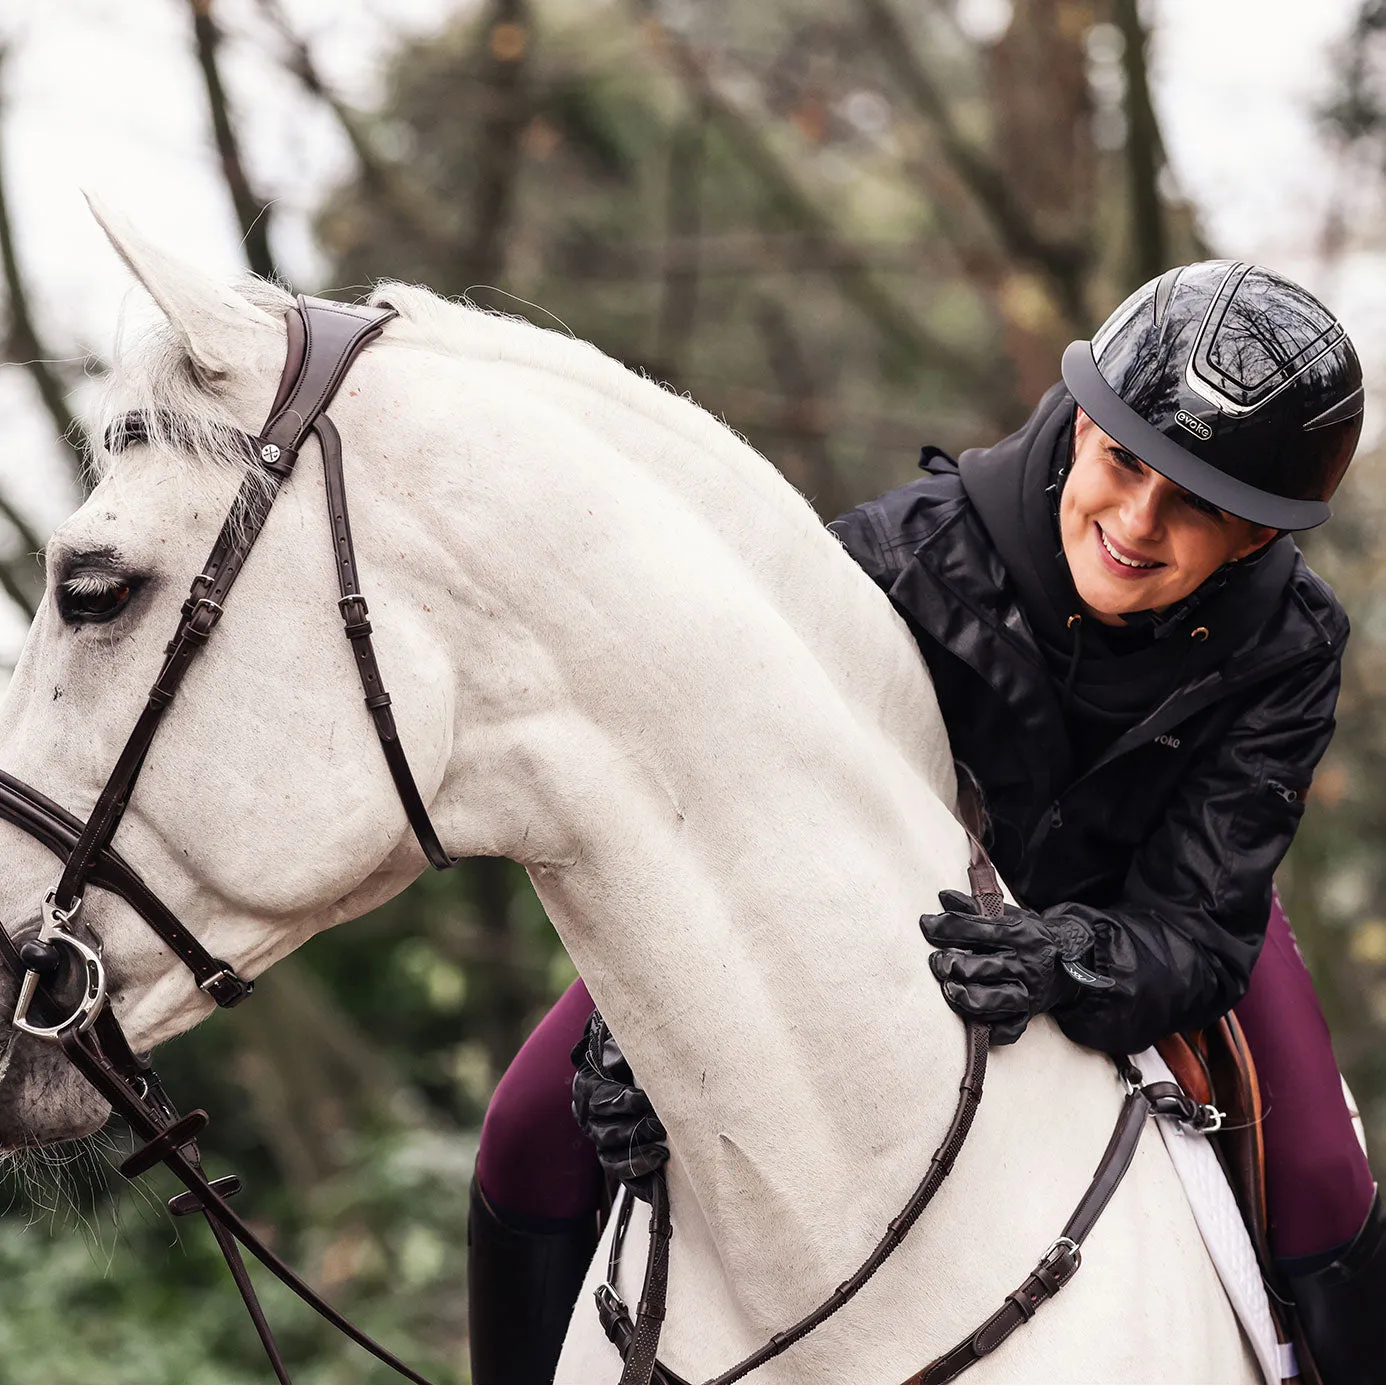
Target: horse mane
[
  {"x": 458, "y": 328},
  {"x": 834, "y": 606},
  {"x": 190, "y": 416}
]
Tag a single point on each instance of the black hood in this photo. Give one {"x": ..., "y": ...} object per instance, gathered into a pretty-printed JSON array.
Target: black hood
[{"x": 1112, "y": 673}]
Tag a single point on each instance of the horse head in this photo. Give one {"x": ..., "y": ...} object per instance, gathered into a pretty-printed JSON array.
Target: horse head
[{"x": 258, "y": 814}]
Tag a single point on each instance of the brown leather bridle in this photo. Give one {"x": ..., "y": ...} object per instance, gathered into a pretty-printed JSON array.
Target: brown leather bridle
[{"x": 323, "y": 340}]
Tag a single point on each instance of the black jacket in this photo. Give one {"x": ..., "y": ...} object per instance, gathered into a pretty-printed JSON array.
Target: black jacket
[{"x": 1165, "y": 843}]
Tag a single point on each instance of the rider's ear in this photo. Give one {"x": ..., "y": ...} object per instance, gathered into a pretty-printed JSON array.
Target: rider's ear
[{"x": 218, "y": 328}]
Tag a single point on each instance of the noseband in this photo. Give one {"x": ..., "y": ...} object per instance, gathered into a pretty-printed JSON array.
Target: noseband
[{"x": 323, "y": 340}]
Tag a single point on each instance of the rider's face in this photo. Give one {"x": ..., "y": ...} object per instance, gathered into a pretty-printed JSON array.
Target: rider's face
[{"x": 1133, "y": 539}]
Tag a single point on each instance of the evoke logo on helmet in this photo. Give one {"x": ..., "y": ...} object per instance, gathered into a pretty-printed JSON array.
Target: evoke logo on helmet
[{"x": 1195, "y": 426}]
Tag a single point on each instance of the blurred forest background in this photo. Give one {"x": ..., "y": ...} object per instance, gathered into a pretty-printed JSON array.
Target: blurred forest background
[{"x": 849, "y": 229}]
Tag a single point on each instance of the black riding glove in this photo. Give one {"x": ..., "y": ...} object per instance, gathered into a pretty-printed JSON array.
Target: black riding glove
[
  {"x": 1003, "y": 971},
  {"x": 616, "y": 1115}
]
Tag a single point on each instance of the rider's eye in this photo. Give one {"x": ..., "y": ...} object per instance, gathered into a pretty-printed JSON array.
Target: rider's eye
[
  {"x": 1203, "y": 507},
  {"x": 90, "y": 598}
]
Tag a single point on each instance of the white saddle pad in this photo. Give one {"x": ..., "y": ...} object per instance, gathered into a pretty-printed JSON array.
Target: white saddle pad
[{"x": 1220, "y": 1223}]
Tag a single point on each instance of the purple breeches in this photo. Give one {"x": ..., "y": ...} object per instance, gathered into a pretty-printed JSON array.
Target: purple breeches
[
  {"x": 535, "y": 1164},
  {"x": 1319, "y": 1187}
]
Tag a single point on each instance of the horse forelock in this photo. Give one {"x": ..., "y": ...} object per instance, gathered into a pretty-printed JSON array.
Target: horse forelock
[{"x": 186, "y": 416}]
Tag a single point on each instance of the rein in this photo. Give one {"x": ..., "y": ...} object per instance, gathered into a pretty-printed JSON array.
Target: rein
[
  {"x": 638, "y": 1341},
  {"x": 324, "y": 339}
]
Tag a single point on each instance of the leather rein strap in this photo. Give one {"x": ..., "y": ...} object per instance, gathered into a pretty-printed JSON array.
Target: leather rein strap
[
  {"x": 324, "y": 339},
  {"x": 638, "y": 1341}
]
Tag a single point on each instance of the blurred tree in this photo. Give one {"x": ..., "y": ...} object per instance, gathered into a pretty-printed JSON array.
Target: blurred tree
[
  {"x": 847, "y": 229},
  {"x": 253, "y": 213},
  {"x": 21, "y": 575}
]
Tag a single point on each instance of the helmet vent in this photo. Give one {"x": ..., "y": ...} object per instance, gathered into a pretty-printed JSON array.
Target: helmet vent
[
  {"x": 1346, "y": 408},
  {"x": 1164, "y": 290},
  {"x": 1259, "y": 335}
]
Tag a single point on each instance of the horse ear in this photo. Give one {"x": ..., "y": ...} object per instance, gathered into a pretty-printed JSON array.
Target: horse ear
[{"x": 216, "y": 324}]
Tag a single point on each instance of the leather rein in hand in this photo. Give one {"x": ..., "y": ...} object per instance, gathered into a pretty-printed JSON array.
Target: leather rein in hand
[
  {"x": 324, "y": 339},
  {"x": 638, "y": 1341}
]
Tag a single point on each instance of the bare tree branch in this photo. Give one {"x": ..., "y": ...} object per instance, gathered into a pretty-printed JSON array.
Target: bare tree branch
[
  {"x": 804, "y": 421},
  {"x": 15, "y": 589},
  {"x": 508, "y": 41},
  {"x": 683, "y": 244},
  {"x": 1064, "y": 262},
  {"x": 24, "y": 347},
  {"x": 386, "y": 181},
  {"x": 739, "y": 254},
  {"x": 1144, "y": 149},
  {"x": 910, "y": 341},
  {"x": 252, "y": 212}
]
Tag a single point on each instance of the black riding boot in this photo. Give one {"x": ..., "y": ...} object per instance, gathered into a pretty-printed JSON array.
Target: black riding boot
[
  {"x": 1342, "y": 1306},
  {"x": 522, "y": 1284}
]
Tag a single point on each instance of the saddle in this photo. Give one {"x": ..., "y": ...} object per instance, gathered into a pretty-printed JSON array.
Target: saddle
[{"x": 1215, "y": 1068}]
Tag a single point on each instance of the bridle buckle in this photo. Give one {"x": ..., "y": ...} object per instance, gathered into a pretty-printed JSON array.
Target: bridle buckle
[
  {"x": 205, "y": 627},
  {"x": 226, "y": 988},
  {"x": 1057, "y": 1247}
]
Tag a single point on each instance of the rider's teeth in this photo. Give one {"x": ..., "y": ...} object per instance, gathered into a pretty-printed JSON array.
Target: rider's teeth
[{"x": 1120, "y": 558}]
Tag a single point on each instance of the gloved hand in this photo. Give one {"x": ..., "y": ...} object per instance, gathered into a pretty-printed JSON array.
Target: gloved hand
[
  {"x": 1003, "y": 971},
  {"x": 617, "y": 1115}
]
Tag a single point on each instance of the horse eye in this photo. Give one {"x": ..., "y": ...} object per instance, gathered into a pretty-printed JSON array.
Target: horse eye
[{"x": 84, "y": 600}]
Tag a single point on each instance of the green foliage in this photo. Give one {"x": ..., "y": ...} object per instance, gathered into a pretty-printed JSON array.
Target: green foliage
[
  {"x": 129, "y": 1295},
  {"x": 790, "y": 211}
]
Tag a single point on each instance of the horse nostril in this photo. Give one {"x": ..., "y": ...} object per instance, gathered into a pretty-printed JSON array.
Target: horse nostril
[{"x": 39, "y": 957}]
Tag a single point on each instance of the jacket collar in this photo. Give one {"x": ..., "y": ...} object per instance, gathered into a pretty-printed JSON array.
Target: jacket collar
[
  {"x": 979, "y": 619},
  {"x": 1014, "y": 488}
]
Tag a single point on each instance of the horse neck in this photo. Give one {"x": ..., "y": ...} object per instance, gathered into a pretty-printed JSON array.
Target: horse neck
[{"x": 722, "y": 764}]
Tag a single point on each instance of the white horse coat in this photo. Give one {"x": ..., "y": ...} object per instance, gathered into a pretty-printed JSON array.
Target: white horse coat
[{"x": 625, "y": 653}]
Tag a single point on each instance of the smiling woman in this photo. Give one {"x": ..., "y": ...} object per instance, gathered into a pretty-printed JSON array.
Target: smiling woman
[{"x": 1134, "y": 540}]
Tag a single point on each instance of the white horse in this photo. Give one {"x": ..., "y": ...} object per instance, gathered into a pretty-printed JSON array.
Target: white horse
[{"x": 626, "y": 654}]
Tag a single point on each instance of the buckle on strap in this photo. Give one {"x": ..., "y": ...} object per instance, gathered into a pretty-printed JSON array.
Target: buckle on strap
[
  {"x": 1058, "y": 1247},
  {"x": 200, "y": 629},
  {"x": 1170, "y": 1100},
  {"x": 225, "y": 987},
  {"x": 614, "y": 1317}
]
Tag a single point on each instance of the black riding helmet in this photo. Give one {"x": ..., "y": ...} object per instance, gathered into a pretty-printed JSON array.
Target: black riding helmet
[{"x": 1234, "y": 383}]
